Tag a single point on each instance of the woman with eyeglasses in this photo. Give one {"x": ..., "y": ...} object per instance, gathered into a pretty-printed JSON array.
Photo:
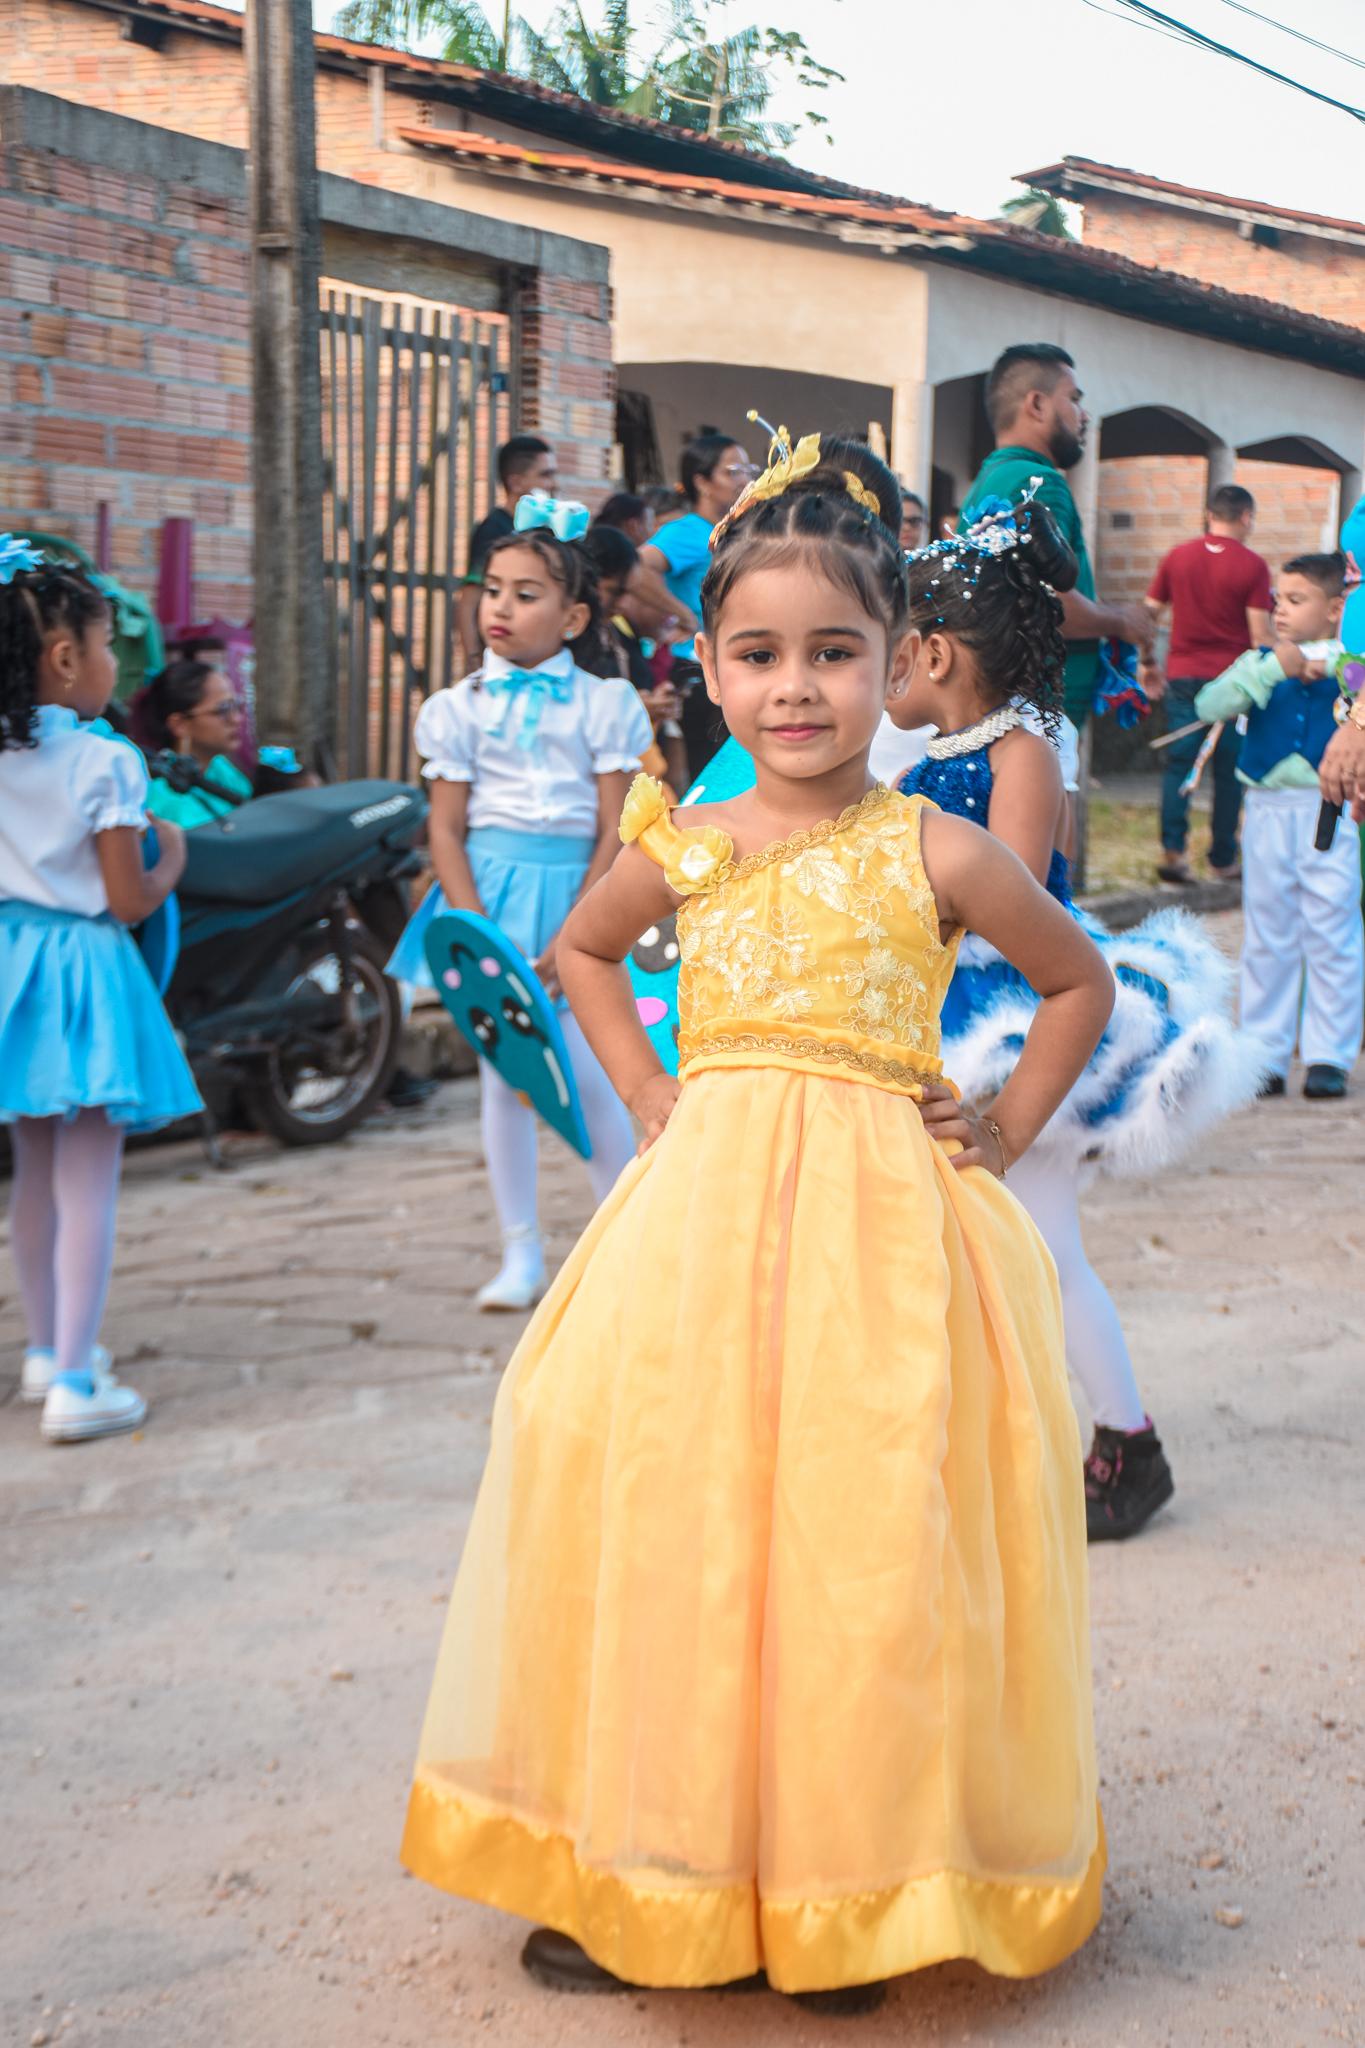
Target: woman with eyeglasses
[
  {"x": 714, "y": 471},
  {"x": 914, "y": 521},
  {"x": 192, "y": 709}
]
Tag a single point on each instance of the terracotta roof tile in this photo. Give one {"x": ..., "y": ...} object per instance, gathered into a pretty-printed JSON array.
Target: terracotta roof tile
[
  {"x": 1076, "y": 269},
  {"x": 1078, "y": 170}
]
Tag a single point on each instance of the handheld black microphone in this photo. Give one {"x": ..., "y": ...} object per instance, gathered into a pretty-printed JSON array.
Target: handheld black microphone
[{"x": 1327, "y": 826}]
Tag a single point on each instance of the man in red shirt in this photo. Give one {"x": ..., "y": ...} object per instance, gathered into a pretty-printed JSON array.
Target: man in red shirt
[{"x": 1219, "y": 594}]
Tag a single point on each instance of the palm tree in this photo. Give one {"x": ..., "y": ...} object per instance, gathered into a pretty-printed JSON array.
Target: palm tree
[
  {"x": 694, "y": 78},
  {"x": 1041, "y": 211},
  {"x": 467, "y": 34}
]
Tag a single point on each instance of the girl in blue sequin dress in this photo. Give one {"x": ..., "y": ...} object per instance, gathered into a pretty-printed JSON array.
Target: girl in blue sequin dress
[{"x": 1170, "y": 1064}]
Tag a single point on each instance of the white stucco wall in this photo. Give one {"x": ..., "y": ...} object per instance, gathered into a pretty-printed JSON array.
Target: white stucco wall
[{"x": 1239, "y": 396}]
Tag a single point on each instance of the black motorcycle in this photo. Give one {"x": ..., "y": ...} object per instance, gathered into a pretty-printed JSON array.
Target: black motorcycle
[{"x": 289, "y": 909}]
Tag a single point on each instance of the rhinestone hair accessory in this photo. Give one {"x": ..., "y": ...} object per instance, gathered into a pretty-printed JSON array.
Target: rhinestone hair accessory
[
  {"x": 785, "y": 465},
  {"x": 997, "y": 530}
]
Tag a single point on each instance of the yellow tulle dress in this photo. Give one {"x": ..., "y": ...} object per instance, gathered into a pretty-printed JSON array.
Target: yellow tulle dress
[{"x": 769, "y": 1646}]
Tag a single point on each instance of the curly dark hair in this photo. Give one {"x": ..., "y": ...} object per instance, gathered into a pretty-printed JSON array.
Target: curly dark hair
[
  {"x": 1004, "y": 608},
  {"x": 33, "y": 604},
  {"x": 569, "y": 565},
  {"x": 858, "y": 550}
]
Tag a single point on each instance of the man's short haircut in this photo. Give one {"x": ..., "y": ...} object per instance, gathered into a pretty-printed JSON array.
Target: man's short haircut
[
  {"x": 1327, "y": 571},
  {"x": 912, "y": 498},
  {"x": 1028, "y": 366},
  {"x": 518, "y": 455},
  {"x": 1231, "y": 502}
]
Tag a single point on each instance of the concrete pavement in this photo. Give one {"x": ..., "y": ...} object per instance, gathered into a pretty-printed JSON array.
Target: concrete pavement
[{"x": 219, "y": 1635}]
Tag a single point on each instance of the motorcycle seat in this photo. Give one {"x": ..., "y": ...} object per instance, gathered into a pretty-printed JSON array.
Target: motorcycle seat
[{"x": 276, "y": 845}]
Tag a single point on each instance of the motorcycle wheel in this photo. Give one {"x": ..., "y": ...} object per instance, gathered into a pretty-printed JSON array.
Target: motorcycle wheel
[{"x": 317, "y": 1095}]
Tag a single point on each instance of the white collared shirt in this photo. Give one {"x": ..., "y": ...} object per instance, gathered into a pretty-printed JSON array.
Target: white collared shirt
[
  {"x": 54, "y": 799},
  {"x": 469, "y": 734}
]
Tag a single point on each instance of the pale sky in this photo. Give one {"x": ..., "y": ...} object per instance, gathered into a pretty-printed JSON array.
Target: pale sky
[{"x": 946, "y": 99}]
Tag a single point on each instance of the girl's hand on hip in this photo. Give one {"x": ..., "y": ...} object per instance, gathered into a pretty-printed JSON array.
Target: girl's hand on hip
[
  {"x": 652, "y": 1105},
  {"x": 548, "y": 973},
  {"x": 947, "y": 1122}
]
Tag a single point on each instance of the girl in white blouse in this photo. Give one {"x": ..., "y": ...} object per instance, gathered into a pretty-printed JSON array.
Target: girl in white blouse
[
  {"x": 86, "y": 1052},
  {"x": 529, "y": 761}
]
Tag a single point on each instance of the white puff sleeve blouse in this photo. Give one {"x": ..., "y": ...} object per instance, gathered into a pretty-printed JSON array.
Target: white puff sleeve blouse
[
  {"x": 591, "y": 726},
  {"x": 55, "y": 799}
]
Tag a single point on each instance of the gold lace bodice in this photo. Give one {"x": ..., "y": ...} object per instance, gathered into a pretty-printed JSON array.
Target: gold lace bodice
[{"x": 822, "y": 949}]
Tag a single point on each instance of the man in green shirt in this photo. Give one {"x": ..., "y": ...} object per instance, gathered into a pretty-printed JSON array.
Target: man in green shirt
[{"x": 1039, "y": 423}]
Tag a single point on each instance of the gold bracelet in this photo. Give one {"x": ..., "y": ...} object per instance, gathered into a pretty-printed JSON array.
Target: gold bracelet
[{"x": 993, "y": 1127}]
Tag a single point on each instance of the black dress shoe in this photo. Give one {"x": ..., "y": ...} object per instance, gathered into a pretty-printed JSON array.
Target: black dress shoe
[
  {"x": 558, "y": 1963},
  {"x": 850, "y": 2003},
  {"x": 1127, "y": 1479},
  {"x": 1324, "y": 1084},
  {"x": 1273, "y": 1085},
  {"x": 561, "y": 1965}
]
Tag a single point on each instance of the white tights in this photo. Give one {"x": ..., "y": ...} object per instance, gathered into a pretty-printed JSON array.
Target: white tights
[
  {"x": 511, "y": 1143},
  {"x": 1095, "y": 1349},
  {"x": 62, "y": 1208}
]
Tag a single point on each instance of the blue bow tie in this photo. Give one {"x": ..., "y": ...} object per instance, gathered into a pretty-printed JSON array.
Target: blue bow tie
[{"x": 539, "y": 690}]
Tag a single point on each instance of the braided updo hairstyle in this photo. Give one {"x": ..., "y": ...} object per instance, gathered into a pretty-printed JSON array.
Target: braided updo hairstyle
[
  {"x": 858, "y": 550},
  {"x": 1004, "y": 607},
  {"x": 33, "y": 604}
]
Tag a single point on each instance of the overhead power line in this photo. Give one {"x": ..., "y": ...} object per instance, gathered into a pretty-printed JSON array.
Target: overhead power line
[
  {"x": 1167, "y": 24},
  {"x": 1298, "y": 34}
]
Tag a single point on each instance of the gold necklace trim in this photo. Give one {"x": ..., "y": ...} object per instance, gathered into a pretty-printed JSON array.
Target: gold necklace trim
[
  {"x": 821, "y": 1050},
  {"x": 783, "y": 849}
]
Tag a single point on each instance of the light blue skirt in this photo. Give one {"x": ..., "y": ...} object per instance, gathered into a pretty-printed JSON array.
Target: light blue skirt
[
  {"x": 81, "y": 1024},
  {"x": 527, "y": 883}
]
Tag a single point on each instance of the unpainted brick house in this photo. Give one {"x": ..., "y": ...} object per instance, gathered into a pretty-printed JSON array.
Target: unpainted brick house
[{"x": 652, "y": 281}]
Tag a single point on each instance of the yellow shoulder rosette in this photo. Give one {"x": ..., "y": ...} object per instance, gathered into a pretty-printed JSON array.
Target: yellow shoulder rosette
[
  {"x": 692, "y": 861},
  {"x": 699, "y": 860},
  {"x": 645, "y": 805}
]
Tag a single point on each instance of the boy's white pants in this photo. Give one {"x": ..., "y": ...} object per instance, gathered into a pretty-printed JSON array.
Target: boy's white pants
[{"x": 1304, "y": 946}]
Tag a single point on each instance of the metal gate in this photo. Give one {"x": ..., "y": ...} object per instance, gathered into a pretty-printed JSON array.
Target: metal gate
[{"x": 415, "y": 400}]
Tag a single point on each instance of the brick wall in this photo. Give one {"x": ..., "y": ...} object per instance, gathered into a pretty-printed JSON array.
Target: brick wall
[
  {"x": 568, "y": 389},
  {"x": 124, "y": 368},
  {"x": 1148, "y": 503},
  {"x": 1307, "y": 271},
  {"x": 197, "y": 84}
]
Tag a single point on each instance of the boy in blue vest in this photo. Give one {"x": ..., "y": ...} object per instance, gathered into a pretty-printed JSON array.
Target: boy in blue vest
[{"x": 1303, "y": 954}]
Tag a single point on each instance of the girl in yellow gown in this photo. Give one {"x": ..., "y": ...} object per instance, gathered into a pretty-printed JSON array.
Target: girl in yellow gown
[{"x": 769, "y": 1646}]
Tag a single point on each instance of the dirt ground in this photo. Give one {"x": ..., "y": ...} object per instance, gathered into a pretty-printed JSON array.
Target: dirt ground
[{"x": 218, "y": 1635}]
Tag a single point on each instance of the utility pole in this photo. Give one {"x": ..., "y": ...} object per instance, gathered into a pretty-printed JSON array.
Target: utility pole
[{"x": 294, "y": 695}]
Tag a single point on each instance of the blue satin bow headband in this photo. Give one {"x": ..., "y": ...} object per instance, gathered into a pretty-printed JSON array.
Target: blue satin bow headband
[{"x": 565, "y": 517}]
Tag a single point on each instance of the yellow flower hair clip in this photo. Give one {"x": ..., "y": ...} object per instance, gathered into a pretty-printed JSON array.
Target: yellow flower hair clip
[
  {"x": 862, "y": 495},
  {"x": 785, "y": 465}
]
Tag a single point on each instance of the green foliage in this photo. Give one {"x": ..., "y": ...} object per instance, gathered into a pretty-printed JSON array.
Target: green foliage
[
  {"x": 466, "y": 35},
  {"x": 1041, "y": 211},
  {"x": 695, "y": 76}
]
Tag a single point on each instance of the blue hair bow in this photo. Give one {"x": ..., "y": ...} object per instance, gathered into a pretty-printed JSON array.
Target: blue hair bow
[
  {"x": 16, "y": 556},
  {"x": 565, "y": 517}
]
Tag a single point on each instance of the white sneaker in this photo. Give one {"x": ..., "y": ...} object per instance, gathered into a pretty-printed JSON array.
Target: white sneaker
[
  {"x": 521, "y": 1281},
  {"x": 71, "y": 1416},
  {"x": 40, "y": 1369}
]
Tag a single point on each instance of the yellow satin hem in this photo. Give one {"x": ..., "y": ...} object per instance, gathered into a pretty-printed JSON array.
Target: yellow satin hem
[{"x": 687, "y": 1936}]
